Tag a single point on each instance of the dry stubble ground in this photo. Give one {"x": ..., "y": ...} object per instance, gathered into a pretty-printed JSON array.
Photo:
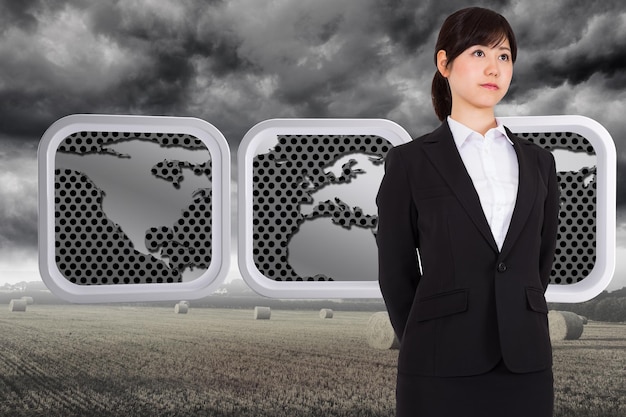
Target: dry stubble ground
[{"x": 148, "y": 361}]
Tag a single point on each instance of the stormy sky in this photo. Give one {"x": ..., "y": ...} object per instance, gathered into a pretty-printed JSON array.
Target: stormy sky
[{"x": 236, "y": 63}]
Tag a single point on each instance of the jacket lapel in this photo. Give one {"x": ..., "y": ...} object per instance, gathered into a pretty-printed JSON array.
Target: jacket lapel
[
  {"x": 440, "y": 148},
  {"x": 526, "y": 191}
]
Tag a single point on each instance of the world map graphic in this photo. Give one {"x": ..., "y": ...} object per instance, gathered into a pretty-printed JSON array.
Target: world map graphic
[{"x": 129, "y": 209}]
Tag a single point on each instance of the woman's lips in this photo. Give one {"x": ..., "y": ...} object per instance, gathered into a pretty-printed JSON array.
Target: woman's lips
[{"x": 490, "y": 86}]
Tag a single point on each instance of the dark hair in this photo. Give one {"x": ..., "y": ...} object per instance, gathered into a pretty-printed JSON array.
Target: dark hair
[{"x": 461, "y": 30}]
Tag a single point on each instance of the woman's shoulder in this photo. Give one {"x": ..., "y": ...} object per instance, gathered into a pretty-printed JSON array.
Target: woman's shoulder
[
  {"x": 416, "y": 144},
  {"x": 542, "y": 153}
]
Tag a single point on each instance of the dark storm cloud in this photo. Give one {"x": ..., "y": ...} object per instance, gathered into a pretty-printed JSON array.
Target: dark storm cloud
[
  {"x": 298, "y": 59},
  {"x": 598, "y": 51},
  {"x": 18, "y": 197},
  {"x": 309, "y": 59},
  {"x": 414, "y": 24},
  {"x": 314, "y": 56},
  {"x": 109, "y": 58},
  {"x": 570, "y": 41},
  {"x": 174, "y": 42},
  {"x": 408, "y": 25},
  {"x": 18, "y": 13},
  {"x": 579, "y": 67}
]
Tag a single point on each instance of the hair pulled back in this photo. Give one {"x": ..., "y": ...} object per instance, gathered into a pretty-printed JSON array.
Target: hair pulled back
[{"x": 461, "y": 30}]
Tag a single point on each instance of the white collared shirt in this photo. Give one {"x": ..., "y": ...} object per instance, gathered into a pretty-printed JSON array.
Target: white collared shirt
[{"x": 491, "y": 163}]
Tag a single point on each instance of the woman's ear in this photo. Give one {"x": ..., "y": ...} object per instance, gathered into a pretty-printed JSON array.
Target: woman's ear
[{"x": 442, "y": 63}]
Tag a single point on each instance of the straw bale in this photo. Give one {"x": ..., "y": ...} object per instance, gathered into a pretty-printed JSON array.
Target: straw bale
[
  {"x": 564, "y": 325},
  {"x": 181, "y": 308},
  {"x": 262, "y": 313},
  {"x": 17, "y": 305},
  {"x": 326, "y": 313},
  {"x": 29, "y": 300},
  {"x": 380, "y": 333}
]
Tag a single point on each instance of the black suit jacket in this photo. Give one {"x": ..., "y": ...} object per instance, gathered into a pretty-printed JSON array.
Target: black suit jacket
[{"x": 463, "y": 304}]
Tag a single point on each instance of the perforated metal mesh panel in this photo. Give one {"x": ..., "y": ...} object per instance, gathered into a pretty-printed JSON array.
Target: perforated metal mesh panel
[
  {"x": 283, "y": 180},
  {"x": 91, "y": 249}
]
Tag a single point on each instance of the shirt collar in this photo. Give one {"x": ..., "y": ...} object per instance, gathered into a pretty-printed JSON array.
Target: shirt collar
[{"x": 460, "y": 132}]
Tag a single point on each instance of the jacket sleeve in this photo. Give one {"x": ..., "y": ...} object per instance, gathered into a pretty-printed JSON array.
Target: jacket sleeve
[
  {"x": 397, "y": 240},
  {"x": 550, "y": 225}
]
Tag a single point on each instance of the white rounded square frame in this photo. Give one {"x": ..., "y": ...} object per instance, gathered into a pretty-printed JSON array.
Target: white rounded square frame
[
  {"x": 199, "y": 287},
  {"x": 255, "y": 139},
  {"x": 606, "y": 166}
]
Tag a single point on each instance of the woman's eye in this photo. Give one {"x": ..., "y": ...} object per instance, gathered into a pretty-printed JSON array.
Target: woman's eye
[
  {"x": 479, "y": 53},
  {"x": 504, "y": 57}
]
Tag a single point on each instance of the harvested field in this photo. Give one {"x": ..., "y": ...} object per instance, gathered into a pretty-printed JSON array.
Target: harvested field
[{"x": 146, "y": 361}]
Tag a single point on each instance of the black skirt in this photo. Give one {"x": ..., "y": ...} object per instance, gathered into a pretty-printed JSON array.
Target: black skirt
[{"x": 498, "y": 393}]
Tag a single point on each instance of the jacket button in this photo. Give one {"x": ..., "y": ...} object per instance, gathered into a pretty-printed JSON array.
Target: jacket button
[{"x": 501, "y": 267}]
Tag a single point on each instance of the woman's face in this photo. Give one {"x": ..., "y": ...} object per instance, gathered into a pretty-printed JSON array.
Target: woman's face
[{"x": 479, "y": 77}]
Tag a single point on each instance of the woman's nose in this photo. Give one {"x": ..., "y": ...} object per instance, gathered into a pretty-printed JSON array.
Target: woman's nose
[{"x": 492, "y": 69}]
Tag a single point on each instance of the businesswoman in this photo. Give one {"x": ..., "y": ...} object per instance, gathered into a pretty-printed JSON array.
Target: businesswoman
[{"x": 466, "y": 237}]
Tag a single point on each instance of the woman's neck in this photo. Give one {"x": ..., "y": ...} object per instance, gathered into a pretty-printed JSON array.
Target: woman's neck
[{"x": 479, "y": 120}]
